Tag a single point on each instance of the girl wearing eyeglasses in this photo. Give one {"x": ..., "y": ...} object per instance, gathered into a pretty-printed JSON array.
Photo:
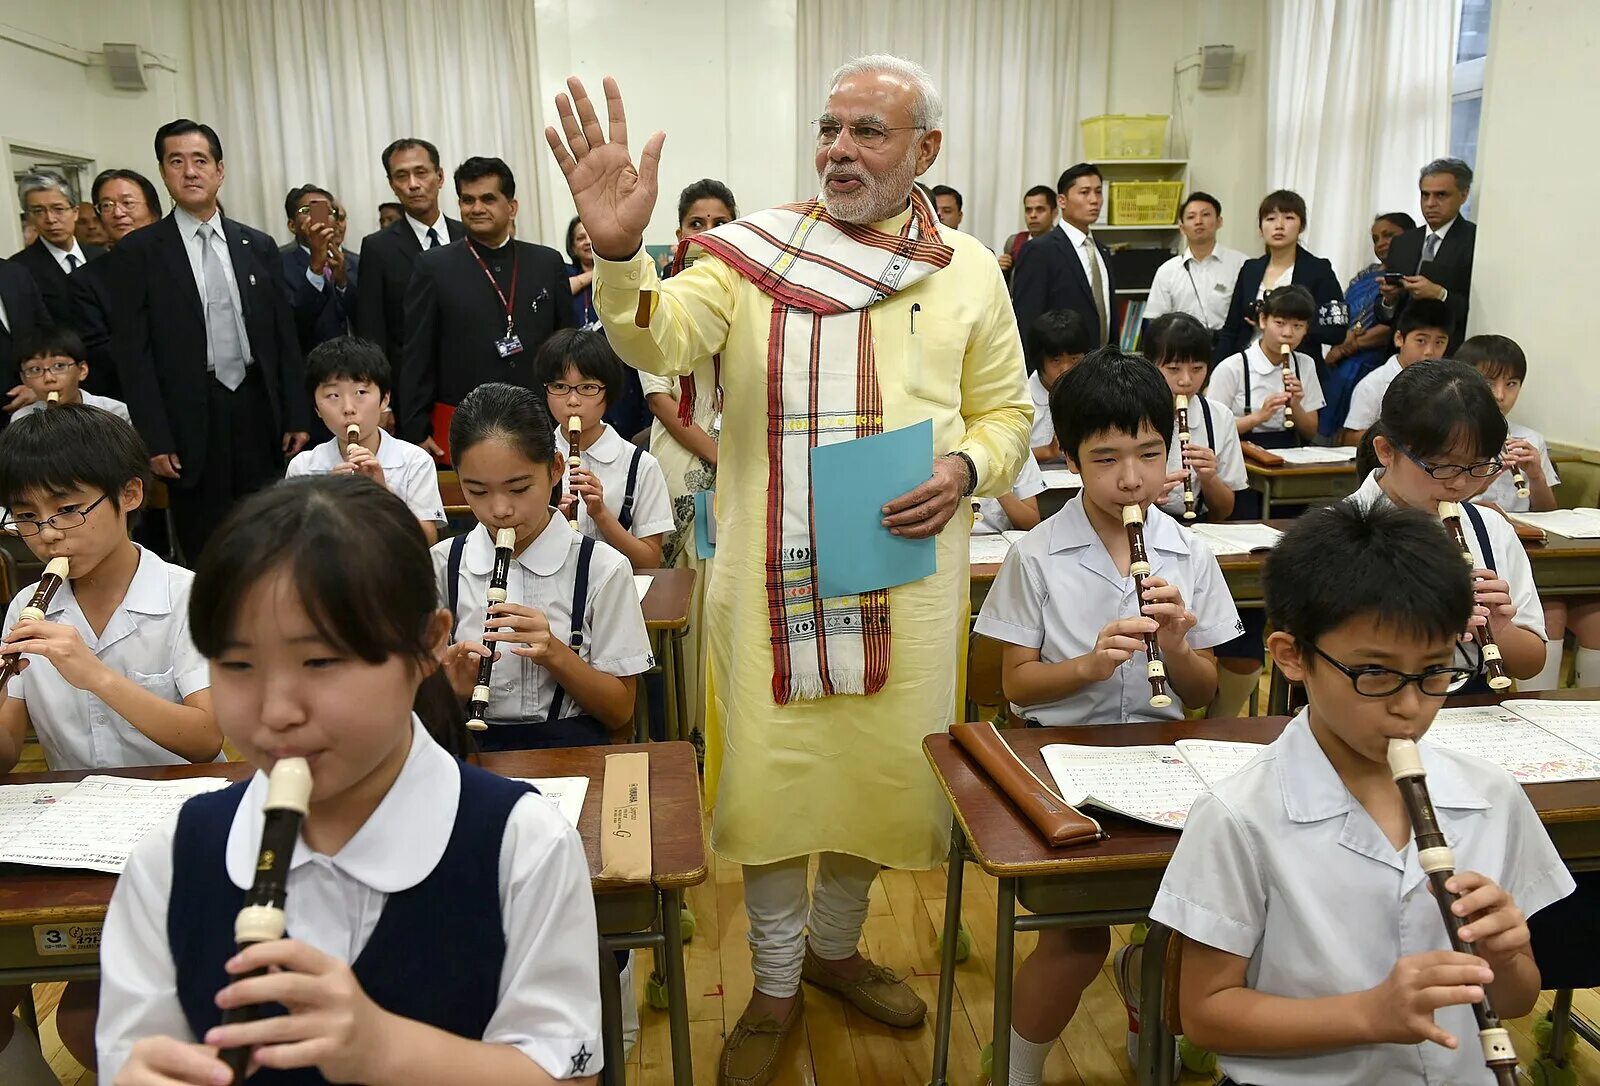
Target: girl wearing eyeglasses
[{"x": 1438, "y": 439}]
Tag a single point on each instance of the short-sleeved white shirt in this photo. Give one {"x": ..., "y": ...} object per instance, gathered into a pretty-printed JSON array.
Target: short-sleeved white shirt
[
  {"x": 608, "y": 460},
  {"x": 1502, "y": 491},
  {"x": 408, "y": 472},
  {"x": 146, "y": 639},
  {"x": 1058, "y": 588},
  {"x": 104, "y": 403},
  {"x": 1367, "y": 399},
  {"x": 1044, "y": 427},
  {"x": 1279, "y": 864},
  {"x": 545, "y": 576},
  {"x": 549, "y": 992},
  {"x": 992, "y": 516},
  {"x": 1222, "y": 436},
  {"x": 1266, "y": 379}
]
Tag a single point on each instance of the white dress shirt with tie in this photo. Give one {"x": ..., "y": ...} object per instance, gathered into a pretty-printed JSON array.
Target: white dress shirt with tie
[
  {"x": 441, "y": 232},
  {"x": 1093, "y": 266},
  {"x": 189, "y": 228},
  {"x": 1431, "y": 243},
  {"x": 71, "y": 259}
]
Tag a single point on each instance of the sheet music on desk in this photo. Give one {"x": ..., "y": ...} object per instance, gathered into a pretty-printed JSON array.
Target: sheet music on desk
[
  {"x": 20, "y": 804},
  {"x": 1578, "y": 722},
  {"x": 567, "y": 793},
  {"x": 95, "y": 825},
  {"x": 1242, "y": 537},
  {"x": 1306, "y": 455},
  {"x": 1061, "y": 479},
  {"x": 1530, "y": 751},
  {"x": 1571, "y": 523}
]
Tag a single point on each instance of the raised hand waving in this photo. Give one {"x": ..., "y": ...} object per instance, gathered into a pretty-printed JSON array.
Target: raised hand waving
[{"x": 613, "y": 197}]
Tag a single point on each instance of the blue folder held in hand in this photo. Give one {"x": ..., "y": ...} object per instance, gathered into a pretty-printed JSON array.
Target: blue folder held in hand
[{"x": 851, "y": 482}]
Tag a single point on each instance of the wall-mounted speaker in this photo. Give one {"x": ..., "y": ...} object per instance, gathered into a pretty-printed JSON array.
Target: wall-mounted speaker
[
  {"x": 124, "y": 65},
  {"x": 1216, "y": 67}
]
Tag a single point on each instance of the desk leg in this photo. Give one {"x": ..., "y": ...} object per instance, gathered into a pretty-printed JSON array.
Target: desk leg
[
  {"x": 614, "y": 1071},
  {"x": 947, "y": 960},
  {"x": 30, "y": 1009},
  {"x": 1266, "y": 498},
  {"x": 1156, "y": 1062},
  {"x": 1005, "y": 935},
  {"x": 677, "y": 998},
  {"x": 670, "y": 683},
  {"x": 685, "y": 717}
]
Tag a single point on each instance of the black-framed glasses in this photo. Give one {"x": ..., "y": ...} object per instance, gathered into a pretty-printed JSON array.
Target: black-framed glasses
[
  {"x": 862, "y": 133},
  {"x": 1484, "y": 469},
  {"x": 54, "y": 368},
  {"x": 61, "y": 522},
  {"x": 587, "y": 389},
  {"x": 1374, "y": 681}
]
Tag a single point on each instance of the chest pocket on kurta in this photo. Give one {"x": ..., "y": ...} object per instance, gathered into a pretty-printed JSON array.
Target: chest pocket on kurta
[{"x": 934, "y": 359}]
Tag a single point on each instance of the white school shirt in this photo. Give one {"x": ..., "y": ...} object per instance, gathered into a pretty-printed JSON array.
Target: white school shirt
[
  {"x": 992, "y": 517},
  {"x": 1223, "y": 438},
  {"x": 545, "y": 576},
  {"x": 146, "y": 639},
  {"x": 1279, "y": 864},
  {"x": 1044, "y": 427},
  {"x": 1058, "y": 588},
  {"x": 104, "y": 403},
  {"x": 1367, "y": 399},
  {"x": 607, "y": 460},
  {"x": 408, "y": 472},
  {"x": 549, "y": 995},
  {"x": 1511, "y": 558},
  {"x": 1501, "y": 490},
  {"x": 1201, "y": 288},
  {"x": 1266, "y": 379}
]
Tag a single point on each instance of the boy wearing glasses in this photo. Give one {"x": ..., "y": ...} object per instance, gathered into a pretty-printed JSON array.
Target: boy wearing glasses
[
  {"x": 614, "y": 490},
  {"x": 1313, "y": 948},
  {"x": 52, "y": 361}
]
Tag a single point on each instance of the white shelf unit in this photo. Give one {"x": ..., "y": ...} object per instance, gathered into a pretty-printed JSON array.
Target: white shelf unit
[{"x": 1141, "y": 169}]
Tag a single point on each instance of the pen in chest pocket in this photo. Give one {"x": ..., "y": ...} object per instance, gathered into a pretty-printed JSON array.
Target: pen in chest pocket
[{"x": 914, "y": 350}]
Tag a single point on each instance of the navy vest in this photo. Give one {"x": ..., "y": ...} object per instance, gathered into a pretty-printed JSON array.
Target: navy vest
[{"x": 435, "y": 955}]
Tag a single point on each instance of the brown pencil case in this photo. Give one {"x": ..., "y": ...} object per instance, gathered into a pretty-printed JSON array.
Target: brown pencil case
[
  {"x": 1258, "y": 455},
  {"x": 1058, "y": 821}
]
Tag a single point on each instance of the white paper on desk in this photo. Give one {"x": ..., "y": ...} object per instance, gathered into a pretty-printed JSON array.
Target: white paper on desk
[
  {"x": 641, "y": 584},
  {"x": 1216, "y": 759},
  {"x": 566, "y": 793},
  {"x": 989, "y": 549},
  {"x": 1318, "y": 454},
  {"x": 1572, "y": 523},
  {"x": 1578, "y": 722},
  {"x": 1061, "y": 479},
  {"x": 1243, "y": 537},
  {"x": 1151, "y": 784},
  {"x": 21, "y": 804},
  {"x": 1529, "y": 752},
  {"x": 94, "y": 826}
]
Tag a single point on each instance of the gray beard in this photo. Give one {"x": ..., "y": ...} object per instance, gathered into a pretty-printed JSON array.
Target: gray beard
[{"x": 883, "y": 198}]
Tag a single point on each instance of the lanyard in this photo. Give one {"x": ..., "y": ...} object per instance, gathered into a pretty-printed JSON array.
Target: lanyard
[{"x": 507, "y": 302}]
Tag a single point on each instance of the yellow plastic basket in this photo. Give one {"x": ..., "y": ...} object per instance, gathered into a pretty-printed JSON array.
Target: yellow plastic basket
[
  {"x": 1145, "y": 203},
  {"x": 1125, "y": 135}
]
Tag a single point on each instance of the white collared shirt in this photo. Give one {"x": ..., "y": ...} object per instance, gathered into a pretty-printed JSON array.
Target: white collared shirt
[
  {"x": 1201, "y": 288},
  {"x": 1222, "y": 437},
  {"x": 61, "y": 255},
  {"x": 104, "y": 403},
  {"x": 549, "y": 996},
  {"x": 545, "y": 575},
  {"x": 992, "y": 516},
  {"x": 146, "y": 639},
  {"x": 1266, "y": 379},
  {"x": 1058, "y": 588},
  {"x": 188, "y": 228},
  {"x": 1076, "y": 238},
  {"x": 1367, "y": 400},
  {"x": 1501, "y": 490},
  {"x": 1044, "y": 427},
  {"x": 1511, "y": 558},
  {"x": 1441, "y": 234},
  {"x": 1279, "y": 864},
  {"x": 408, "y": 472},
  {"x": 607, "y": 460},
  {"x": 420, "y": 228}
]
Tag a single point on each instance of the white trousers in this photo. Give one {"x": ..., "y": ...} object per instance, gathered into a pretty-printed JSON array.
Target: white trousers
[{"x": 781, "y": 911}]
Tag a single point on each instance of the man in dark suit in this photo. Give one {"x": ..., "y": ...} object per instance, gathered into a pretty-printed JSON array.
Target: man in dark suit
[
  {"x": 1436, "y": 258},
  {"x": 52, "y": 207},
  {"x": 123, "y": 201},
  {"x": 319, "y": 274},
  {"x": 21, "y": 311},
  {"x": 205, "y": 343},
  {"x": 412, "y": 167},
  {"x": 1066, "y": 268},
  {"x": 478, "y": 309}
]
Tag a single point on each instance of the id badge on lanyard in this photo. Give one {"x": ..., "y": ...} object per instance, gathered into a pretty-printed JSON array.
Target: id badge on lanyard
[{"x": 510, "y": 344}]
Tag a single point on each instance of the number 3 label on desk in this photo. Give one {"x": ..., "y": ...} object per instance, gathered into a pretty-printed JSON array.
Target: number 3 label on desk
[{"x": 66, "y": 938}]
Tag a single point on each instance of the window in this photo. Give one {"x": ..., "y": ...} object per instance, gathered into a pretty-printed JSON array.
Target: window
[{"x": 1466, "y": 82}]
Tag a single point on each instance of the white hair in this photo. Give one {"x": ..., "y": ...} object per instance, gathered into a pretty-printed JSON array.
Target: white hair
[
  {"x": 44, "y": 181},
  {"x": 928, "y": 113}
]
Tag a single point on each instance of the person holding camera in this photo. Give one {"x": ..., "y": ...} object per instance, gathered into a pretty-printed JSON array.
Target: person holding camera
[{"x": 1435, "y": 260}]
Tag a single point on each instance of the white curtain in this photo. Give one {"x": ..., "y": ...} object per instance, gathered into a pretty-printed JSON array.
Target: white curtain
[
  {"x": 1358, "y": 99},
  {"x": 314, "y": 90},
  {"x": 1016, "y": 76}
]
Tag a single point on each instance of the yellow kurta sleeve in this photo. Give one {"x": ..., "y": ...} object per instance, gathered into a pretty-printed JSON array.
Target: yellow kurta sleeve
[
  {"x": 688, "y": 316},
  {"x": 994, "y": 394}
]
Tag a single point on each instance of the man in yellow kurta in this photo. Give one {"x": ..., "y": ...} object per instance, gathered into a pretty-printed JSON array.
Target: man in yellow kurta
[{"x": 845, "y": 316}]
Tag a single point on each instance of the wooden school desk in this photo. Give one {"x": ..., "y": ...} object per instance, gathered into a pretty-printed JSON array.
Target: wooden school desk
[
  {"x": 1300, "y": 484},
  {"x": 666, "y": 619},
  {"x": 1114, "y": 880},
  {"x": 50, "y": 919}
]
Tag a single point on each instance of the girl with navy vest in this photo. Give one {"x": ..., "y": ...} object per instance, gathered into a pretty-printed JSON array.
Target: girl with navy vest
[
  {"x": 1438, "y": 438},
  {"x": 570, "y": 637},
  {"x": 441, "y": 926},
  {"x": 615, "y": 488}
]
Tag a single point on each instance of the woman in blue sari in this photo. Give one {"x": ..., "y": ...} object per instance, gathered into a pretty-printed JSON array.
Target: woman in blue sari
[{"x": 1369, "y": 341}]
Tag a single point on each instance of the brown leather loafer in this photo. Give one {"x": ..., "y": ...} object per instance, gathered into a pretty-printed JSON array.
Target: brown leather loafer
[
  {"x": 880, "y": 994},
  {"x": 750, "y": 1054}
]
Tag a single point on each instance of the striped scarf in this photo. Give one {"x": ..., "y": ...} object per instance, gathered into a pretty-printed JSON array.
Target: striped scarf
[{"x": 823, "y": 276}]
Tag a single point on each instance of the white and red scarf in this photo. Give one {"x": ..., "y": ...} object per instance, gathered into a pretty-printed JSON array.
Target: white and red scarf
[{"x": 823, "y": 276}]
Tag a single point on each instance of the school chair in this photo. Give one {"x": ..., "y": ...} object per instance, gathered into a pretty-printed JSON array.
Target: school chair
[
  {"x": 10, "y": 580},
  {"x": 986, "y": 699},
  {"x": 1566, "y": 945}
]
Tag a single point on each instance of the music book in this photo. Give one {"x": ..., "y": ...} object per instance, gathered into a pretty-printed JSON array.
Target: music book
[
  {"x": 991, "y": 549},
  {"x": 1523, "y": 739},
  {"x": 1237, "y": 537},
  {"x": 1577, "y": 722},
  {"x": 1061, "y": 479},
  {"x": 1154, "y": 784},
  {"x": 1317, "y": 454},
  {"x": 567, "y": 793},
  {"x": 1572, "y": 523}
]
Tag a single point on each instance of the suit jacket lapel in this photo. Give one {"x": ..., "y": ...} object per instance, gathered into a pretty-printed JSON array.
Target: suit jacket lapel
[
  {"x": 244, "y": 275},
  {"x": 408, "y": 238},
  {"x": 1074, "y": 264},
  {"x": 178, "y": 266}
]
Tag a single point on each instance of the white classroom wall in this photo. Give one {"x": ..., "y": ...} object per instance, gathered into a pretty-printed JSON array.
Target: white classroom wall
[{"x": 1537, "y": 232}]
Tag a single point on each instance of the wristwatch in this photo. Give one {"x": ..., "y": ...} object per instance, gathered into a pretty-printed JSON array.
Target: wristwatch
[{"x": 971, "y": 469}]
